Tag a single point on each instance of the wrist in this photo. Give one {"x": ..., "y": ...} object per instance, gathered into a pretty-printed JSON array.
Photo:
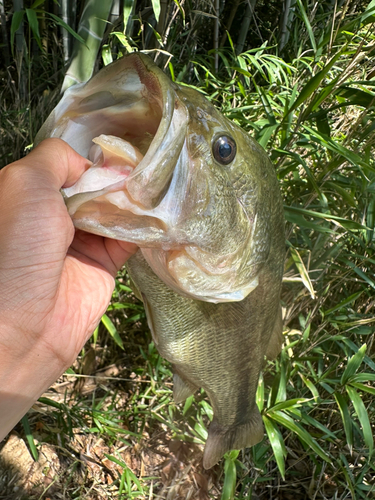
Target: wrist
[{"x": 24, "y": 376}]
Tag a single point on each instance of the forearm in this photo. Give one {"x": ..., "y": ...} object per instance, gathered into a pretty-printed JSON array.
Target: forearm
[{"x": 24, "y": 376}]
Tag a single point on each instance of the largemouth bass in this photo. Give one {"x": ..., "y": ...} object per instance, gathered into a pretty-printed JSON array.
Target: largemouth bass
[{"x": 201, "y": 200}]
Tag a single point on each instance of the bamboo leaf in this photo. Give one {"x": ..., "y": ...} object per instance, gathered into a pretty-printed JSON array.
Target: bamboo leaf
[
  {"x": 362, "y": 417},
  {"x": 156, "y": 9},
  {"x": 369, "y": 14},
  {"x": 318, "y": 425},
  {"x": 346, "y": 420},
  {"x": 259, "y": 398},
  {"x": 290, "y": 403},
  {"x": 302, "y": 271},
  {"x": 292, "y": 425},
  {"x": 302, "y": 222},
  {"x": 360, "y": 273},
  {"x": 363, "y": 377},
  {"x": 343, "y": 303},
  {"x": 123, "y": 39},
  {"x": 334, "y": 146},
  {"x": 230, "y": 477},
  {"x": 311, "y": 387},
  {"x": 345, "y": 223},
  {"x": 307, "y": 24},
  {"x": 34, "y": 25},
  {"x": 112, "y": 330},
  {"x": 107, "y": 54},
  {"x": 342, "y": 192},
  {"x": 266, "y": 134},
  {"x": 60, "y": 22},
  {"x": 353, "y": 364},
  {"x": 277, "y": 444},
  {"x": 363, "y": 387},
  {"x": 16, "y": 23},
  {"x": 37, "y": 4},
  {"x": 314, "y": 83},
  {"x": 128, "y": 9}
]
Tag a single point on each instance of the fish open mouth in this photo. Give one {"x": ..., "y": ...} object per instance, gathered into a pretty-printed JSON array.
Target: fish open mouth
[{"x": 125, "y": 121}]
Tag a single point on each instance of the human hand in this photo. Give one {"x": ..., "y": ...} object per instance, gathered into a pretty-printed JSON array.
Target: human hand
[{"x": 55, "y": 282}]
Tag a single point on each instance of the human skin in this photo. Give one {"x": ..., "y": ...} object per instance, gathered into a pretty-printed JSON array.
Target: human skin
[{"x": 55, "y": 282}]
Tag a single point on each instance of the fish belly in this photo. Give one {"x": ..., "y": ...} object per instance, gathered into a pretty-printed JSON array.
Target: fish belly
[{"x": 219, "y": 347}]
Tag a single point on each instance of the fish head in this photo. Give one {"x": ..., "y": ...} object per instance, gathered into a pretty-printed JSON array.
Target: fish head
[{"x": 171, "y": 174}]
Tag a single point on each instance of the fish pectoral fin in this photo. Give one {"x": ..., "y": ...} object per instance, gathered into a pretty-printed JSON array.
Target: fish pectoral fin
[
  {"x": 150, "y": 319},
  {"x": 277, "y": 338},
  {"x": 222, "y": 439},
  {"x": 135, "y": 289},
  {"x": 181, "y": 389}
]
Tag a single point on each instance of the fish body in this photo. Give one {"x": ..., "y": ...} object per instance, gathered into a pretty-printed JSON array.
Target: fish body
[{"x": 201, "y": 199}]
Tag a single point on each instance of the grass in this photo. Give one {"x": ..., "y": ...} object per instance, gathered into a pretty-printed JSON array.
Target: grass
[{"x": 111, "y": 420}]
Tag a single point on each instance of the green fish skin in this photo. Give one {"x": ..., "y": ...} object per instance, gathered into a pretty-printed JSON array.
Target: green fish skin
[{"x": 200, "y": 198}]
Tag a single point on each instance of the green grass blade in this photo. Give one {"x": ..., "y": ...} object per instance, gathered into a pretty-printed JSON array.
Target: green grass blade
[
  {"x": 230, "y": 476},
  {"x": 30, "y": 438},
  {"x": 346, "y": 420},
  {"x": 353, "y": 364},
  {"x": 156, "y": 9},
  {"x": 344, "y": 303},
  {"x": 314, "y": 83},
  {"x": 307, "y": 24},
  {"x": 34, "y": 25},
  {"x": 362, "y": 417},
  {"x": 363, "y": 387},
  {"x": 295, "y": 427},
  {"x": 277, "y": 444},
  {"x": 302, "y": 271},
  {"x": 340, "y": 221},
  {"x": 112, "y": 330},
  {"x": 17, "y": 19},
  {"x": 360, "y": 273}
]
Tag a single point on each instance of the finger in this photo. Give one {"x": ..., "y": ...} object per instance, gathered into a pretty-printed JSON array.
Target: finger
[
  {"x": 120, "y": 251},
  {"x": 109, "y": 254},
  {"x": 55, "y": 160}
]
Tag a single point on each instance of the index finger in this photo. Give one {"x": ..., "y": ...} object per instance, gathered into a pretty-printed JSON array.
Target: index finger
[{"x": 57, "y": 161}]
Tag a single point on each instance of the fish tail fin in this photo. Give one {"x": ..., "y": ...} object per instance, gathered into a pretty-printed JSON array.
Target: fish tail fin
[
  {"x": 181, "y": 389},
  {"x": 277, "y": 338},
  {"x": 222, "y": 439}
]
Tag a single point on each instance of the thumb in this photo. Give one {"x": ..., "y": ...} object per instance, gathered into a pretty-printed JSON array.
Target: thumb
[{"x": 56, "y": 161}]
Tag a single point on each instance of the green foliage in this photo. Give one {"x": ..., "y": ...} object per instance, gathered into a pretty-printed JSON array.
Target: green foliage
[{"x": 311, "y": 104}]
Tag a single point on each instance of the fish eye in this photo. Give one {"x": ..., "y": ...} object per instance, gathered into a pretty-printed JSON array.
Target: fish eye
[{"x": 224, "y": 149}]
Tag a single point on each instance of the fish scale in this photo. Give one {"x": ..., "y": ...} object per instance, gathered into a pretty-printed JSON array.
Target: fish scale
[{"x": 200, "y": 198}]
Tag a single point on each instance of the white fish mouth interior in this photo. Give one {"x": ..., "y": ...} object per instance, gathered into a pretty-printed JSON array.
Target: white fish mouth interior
[
  {"x": 125, "y": 130},
  {"x": 114, "y": 129}
]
